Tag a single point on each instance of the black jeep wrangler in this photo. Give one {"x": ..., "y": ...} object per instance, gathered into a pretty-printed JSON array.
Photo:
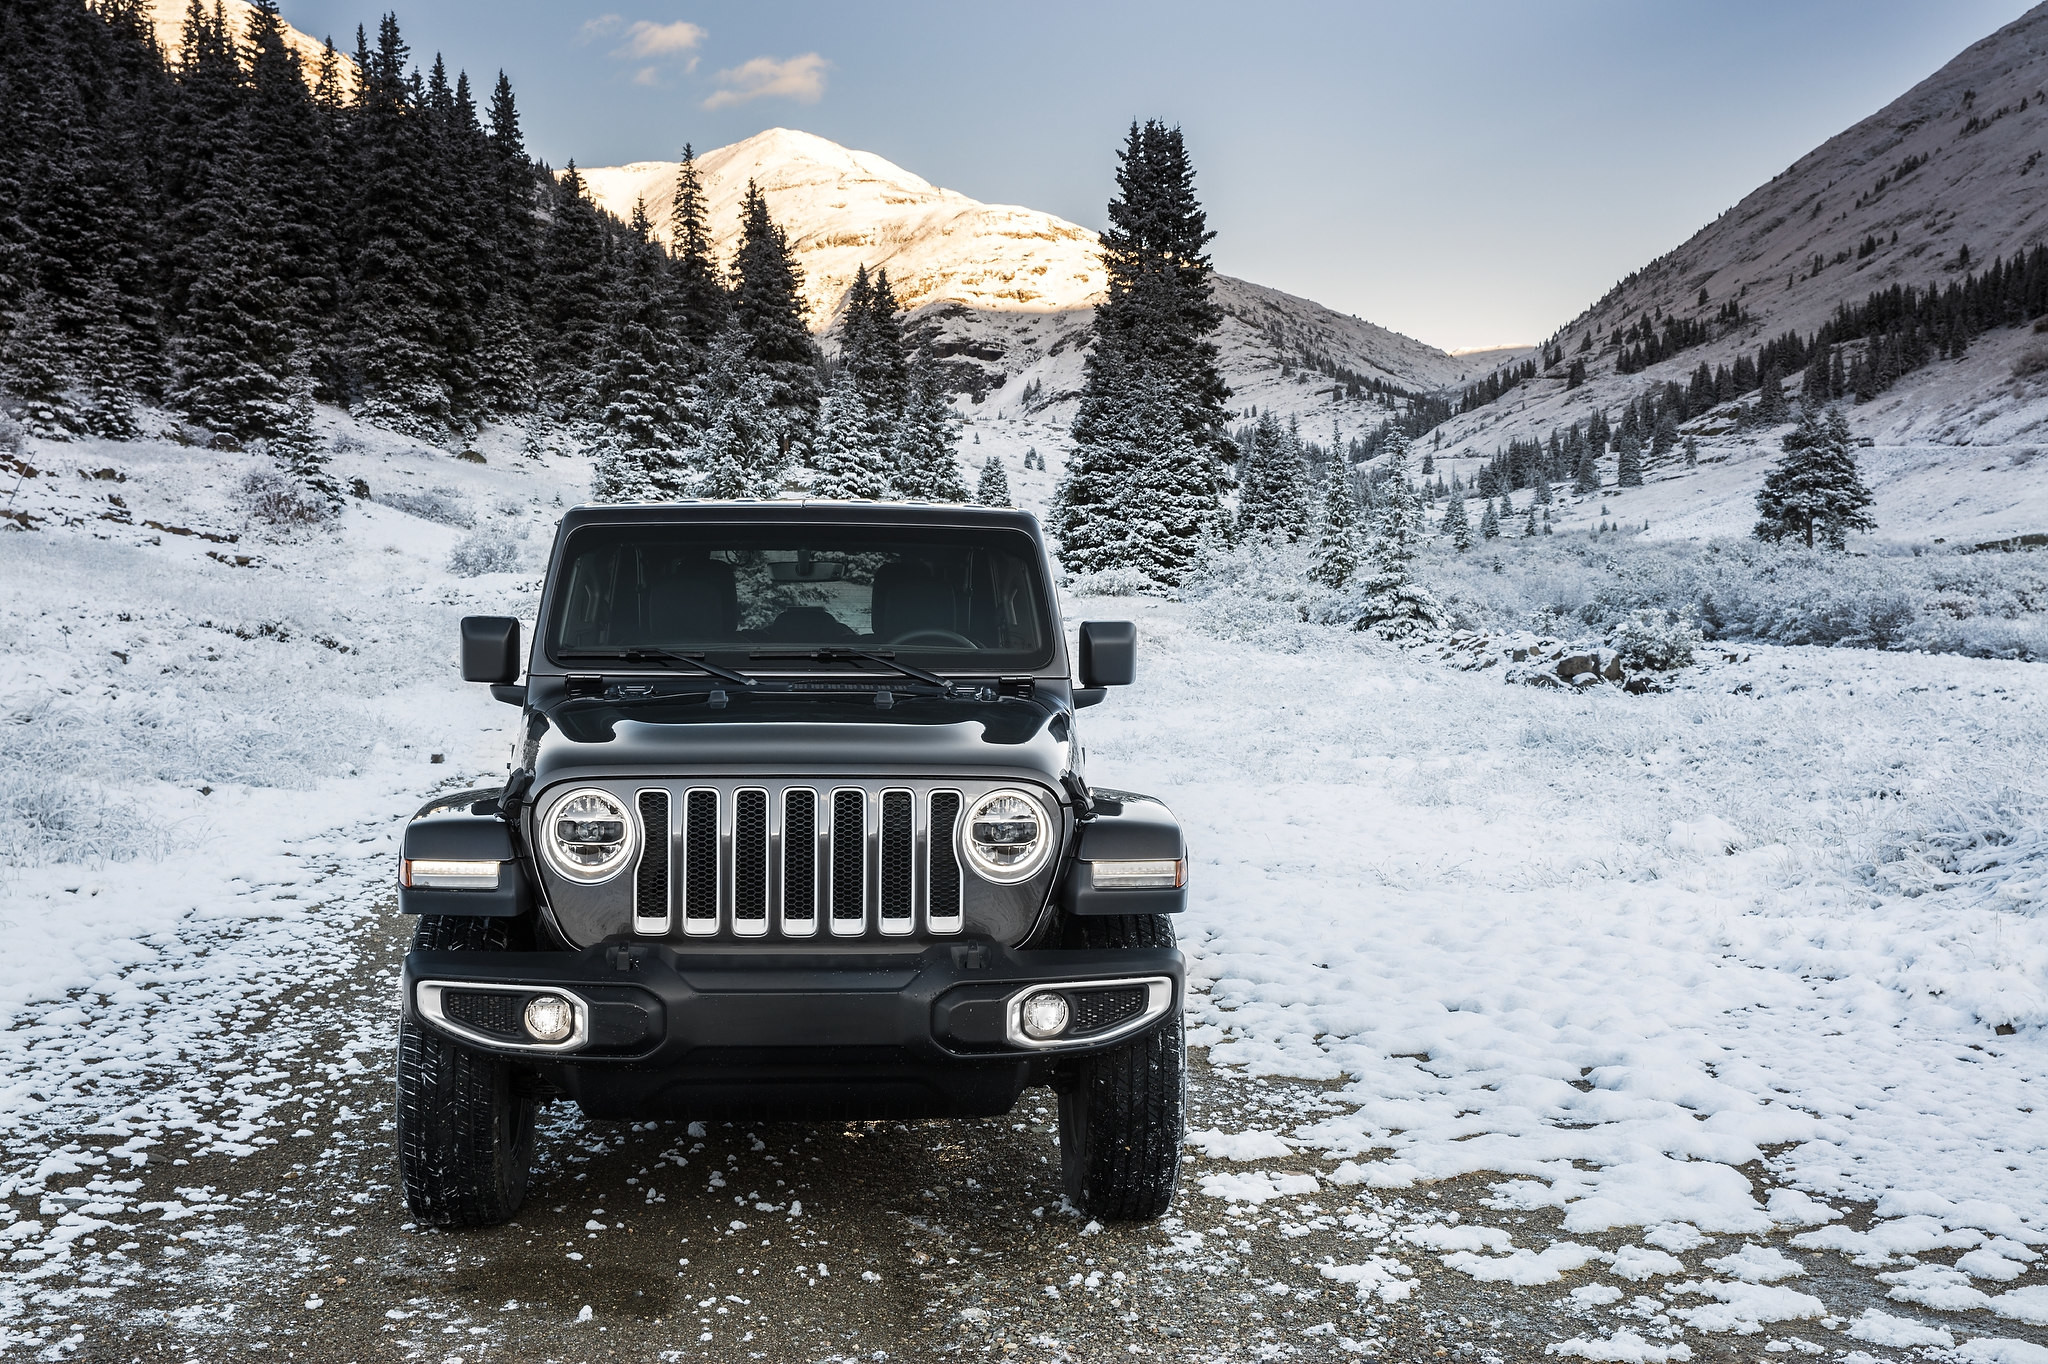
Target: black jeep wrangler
[{"x": 797, "y": 829}]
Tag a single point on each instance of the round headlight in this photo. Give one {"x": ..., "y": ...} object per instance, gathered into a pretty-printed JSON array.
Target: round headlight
[
  {"x": 1007, "y": 837},
  {"x": 588, "y": 835}
]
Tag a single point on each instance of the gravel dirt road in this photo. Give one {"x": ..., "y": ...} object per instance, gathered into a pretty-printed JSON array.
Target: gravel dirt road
[{"x": 265, "y": 1224}]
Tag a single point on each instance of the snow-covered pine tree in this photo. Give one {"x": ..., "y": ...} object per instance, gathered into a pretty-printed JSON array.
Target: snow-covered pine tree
[
  {"x": 1529, "y": 526},
  {"x": 641, "y": 405},
  {"x": 1664, "y": 436},
  {"x": 1628, "y": 459},
  {"x": 1272, "y": 483},
  {"x": 1130, "y": 488},
  {"x": 1815, "y": 490},
  {"x": 1692, "y": 451},
  {"x": 927, "y": 458},
  {"x": 767, "y": 306},
  {"x": 1393, "y": 605},
  {"x": 1771, "y": 407},
  {"x": 1489, "y": 523},
  {"x": 394, "y": 308},
  {"x": 700, "y": 301},
  {"x": 1457, "y": 526},
  {"x": 505, "y": 354},
  {"x": 740, "y": 454},
  {"x": 1337, "y": 548},
  {"x": 994, "y": 488},
  {"x": 847, "y": 466},
  {"x": 37, "y": 378},
  {"x": 571, "y": 301}
]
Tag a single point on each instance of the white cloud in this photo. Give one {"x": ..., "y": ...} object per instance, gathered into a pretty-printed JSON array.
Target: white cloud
[
  {"x": 647, "y": 39},
  {"x": 798, "y": 78},
  {"x": 599, "y": 27}
]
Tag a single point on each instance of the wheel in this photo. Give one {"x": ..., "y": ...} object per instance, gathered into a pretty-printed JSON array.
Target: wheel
[
  {"x": 465, "y": 1119},
  {"x": 1123, "y": 1112}
]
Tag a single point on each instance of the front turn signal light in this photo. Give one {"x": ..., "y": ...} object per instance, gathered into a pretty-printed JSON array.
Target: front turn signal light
[
  {"x": 1152, "y": 873},
  {"x": 425, "y": 873}
]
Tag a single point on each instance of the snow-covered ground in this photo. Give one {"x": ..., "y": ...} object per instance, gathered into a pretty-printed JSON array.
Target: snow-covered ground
[{"x": 1646, "y": 962}]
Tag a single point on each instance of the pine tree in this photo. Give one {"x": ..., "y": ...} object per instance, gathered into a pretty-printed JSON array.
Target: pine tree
[
  {"x": 1489, "y": 523},
  {"x": 847, "y": 468},
  {"x": 1770, "y": 404},
  {"x": 506, "y": 359},
  {"x": 1144, "y": 481},
  {"x": 1815, "y": 491},
  {"x": 740, "y": 454},
  {"x": 641, "y": 373},
  {"x": 1692, "y": 451},
  {"x": 38, "y": 379},
  {"x": 1629, "y": 459},
  {"x": 768, "y": 308},
  {"x": 1393, "y": 605},
  {"x": 1272, "y": 483},
  {"x": 1457, "y": 524},
  {"x": 994, "y": 488},
  {"x": 700, "y": 300},
  {"x": 927, "y": 459},
  {"x": 1529, "y": 526},
  {"x": 1664, "y": 435},
  {"x": 1337, "y": 550}
]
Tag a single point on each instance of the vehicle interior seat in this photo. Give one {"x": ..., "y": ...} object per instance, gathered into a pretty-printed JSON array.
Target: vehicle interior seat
[
  {"x": 908, "y": 598},
  {"x": 691, "y": 601}
]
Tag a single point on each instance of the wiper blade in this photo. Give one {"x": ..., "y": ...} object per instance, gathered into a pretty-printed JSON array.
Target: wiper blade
[
  {"x": 842, "y": 655},
  {"x": 661, "y": 656}
]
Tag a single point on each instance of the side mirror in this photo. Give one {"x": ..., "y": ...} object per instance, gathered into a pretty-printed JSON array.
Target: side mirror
[
  {"x": 490, "y": 649},
  {"x": 1109, "y": 653}
]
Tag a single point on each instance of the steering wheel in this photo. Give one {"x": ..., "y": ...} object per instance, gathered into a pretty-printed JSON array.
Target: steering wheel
[{"x": 948, "y": 638}]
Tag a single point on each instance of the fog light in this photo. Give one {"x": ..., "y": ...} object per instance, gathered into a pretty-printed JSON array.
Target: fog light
[
  {"x": 1045, "y": 1015},
  {"x": 549, "y": 1018}
]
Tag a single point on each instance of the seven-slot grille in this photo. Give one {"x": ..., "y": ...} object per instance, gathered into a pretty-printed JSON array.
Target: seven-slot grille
[{"x": 800, "y": 861}]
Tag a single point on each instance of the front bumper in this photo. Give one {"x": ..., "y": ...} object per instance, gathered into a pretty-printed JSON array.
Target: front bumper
[{"x": 709, "y": 1034}]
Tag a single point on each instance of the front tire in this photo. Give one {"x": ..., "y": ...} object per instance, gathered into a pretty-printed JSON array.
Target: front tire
[
  {"x": 1123, "y": 1112},
  {"x": 465, "y": 1119}
]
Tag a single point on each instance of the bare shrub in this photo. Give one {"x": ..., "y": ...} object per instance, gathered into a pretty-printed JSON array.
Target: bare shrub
[
  {"x": 2033, "y": 360},
  {"x": 440, "y": 506},
  {"x": 488, "y": 550},
  {"x": 283, "y": 504}
]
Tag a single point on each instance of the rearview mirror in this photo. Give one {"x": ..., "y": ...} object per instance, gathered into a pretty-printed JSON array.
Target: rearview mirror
[
  {"x": 490, "y": 649},
  {"x": 1109, "y": 653}
]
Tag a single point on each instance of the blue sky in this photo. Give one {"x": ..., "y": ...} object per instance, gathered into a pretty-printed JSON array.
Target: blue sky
[{"x": 1470, "y": 172}]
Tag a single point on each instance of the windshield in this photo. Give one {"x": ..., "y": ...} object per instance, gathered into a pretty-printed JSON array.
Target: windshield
[{"x": 953, "y": 598}]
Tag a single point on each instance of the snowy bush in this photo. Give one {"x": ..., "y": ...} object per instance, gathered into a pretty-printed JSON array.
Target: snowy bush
[
  {"x": 1260, "y": 592},
  {"x": 1988, "y": 605},
  {"x": 439, "y": 506},
  {"x": 1655, "y": 640},
  {"x": 283, "y": 504},
  {"x": 490, "y": 549},
  {"x": 1113, "y": 582}
]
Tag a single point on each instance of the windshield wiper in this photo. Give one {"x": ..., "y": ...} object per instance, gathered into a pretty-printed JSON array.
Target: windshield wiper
[
  {"x": 863, "y": 655},
  {"x": 660, "y": 656}
]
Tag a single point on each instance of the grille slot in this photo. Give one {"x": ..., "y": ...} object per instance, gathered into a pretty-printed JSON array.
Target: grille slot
[
  {"x": 800, "y": 859},
  {"x": 1099, "y": 1010},
  {"x": 897, "y": 908},
  {"x": 486, "y": 1011},
  {"x": 849, "y": 859},
  {"x": 650, "y": 880},
  {"x": 700, "y": 861},
  {"x": 750, "y": 861},
  {"x": 942, "y": 864}
]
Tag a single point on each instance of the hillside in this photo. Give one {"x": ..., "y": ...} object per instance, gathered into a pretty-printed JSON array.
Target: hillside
[
  {"x": 1004, "y": 294},
  {"x": 1955, "y": 162}
]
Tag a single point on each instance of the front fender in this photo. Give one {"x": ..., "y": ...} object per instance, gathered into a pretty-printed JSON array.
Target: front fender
[
  {"x": 1125, "y": 826},
  {"x": 466, "y": 828}
]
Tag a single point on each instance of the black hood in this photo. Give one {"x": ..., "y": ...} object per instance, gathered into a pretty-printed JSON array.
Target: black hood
[{"x": 777, "y": 734}]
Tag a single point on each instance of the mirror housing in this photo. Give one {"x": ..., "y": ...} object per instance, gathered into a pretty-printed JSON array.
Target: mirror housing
[
  {"x": 490, "y": 649},
  {"x": 1108, "y": 653}
]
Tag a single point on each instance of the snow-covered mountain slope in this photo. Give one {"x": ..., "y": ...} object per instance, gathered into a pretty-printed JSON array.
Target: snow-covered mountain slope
[
  {"x": 1002, "y": 293},
  {"x": 167, "y": 17},
  {"x": 1956, "y": 161}
]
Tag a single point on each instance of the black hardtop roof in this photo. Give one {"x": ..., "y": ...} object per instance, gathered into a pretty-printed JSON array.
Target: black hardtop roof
[{"x": 806, "y": 512}]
